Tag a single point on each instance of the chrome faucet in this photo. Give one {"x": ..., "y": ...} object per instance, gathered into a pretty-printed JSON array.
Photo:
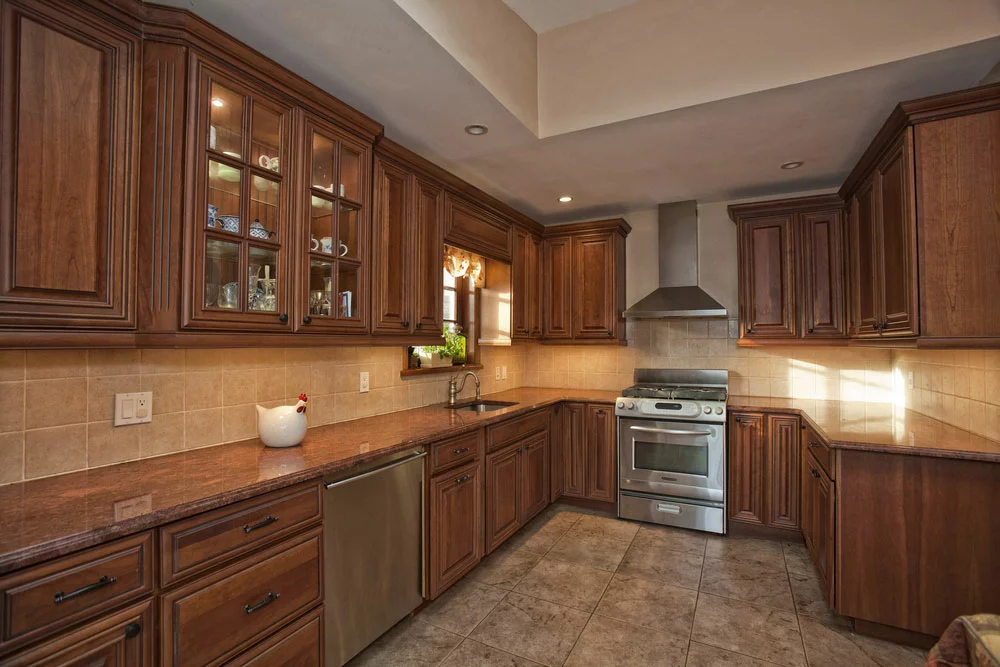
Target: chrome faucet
[{"x": 454, "y": 389}]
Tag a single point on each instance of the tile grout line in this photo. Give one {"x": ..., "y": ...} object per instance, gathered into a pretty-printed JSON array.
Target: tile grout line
[
  {"x": 485, "y": 616},
  {"x": 697, "y": 597},
  {"x": 795, "y": 609}
]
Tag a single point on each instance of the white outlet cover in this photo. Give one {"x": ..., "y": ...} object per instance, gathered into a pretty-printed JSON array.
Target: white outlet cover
[
  {"x": 909, "y": 380},
  {"x": 496, "y": 373},
  {"x": 133, "y": 408},
  {"x": 503, "y": 372},
  {"x": 363, "y": 383}
]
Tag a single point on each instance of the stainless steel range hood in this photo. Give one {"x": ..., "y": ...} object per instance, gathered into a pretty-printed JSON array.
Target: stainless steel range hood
[{"x": 679, "y": 294}]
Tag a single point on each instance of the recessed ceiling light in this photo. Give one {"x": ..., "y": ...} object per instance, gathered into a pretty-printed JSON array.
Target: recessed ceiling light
[
  {"x": 565, "y": 199},
  {"x": 218, "y": 103},
  {"x": 794, "y": 164},
  {"x": 476, "y": 130}
]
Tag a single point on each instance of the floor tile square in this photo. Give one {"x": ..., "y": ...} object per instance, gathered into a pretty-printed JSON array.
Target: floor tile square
[
  {"x": 462, "y": 607},
  {"x": 748, "y": 549},
  {"x": 676, "y": 539},
  {"x": 754, "y": 630},
  {"x": 747, "y": 581},
  {"x": 589, "y": 550},
  {"x": 505, "y": 567},
  {"x": 411, "y": 643},
  {"x": 606, "y": 641},
  {"x": 531, "y": 628},
  {"x": 564, "y": 583},
  {"x": 672, "y": 567},
  {"x": 606, "y": 527},
  {"x": 828, "y": 645},
  {"x": 650, "y": 604}
]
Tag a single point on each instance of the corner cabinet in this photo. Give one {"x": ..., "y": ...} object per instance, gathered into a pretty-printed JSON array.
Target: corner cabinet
[
  {"x": 764, "y": 470},
  {"x": 527, "y": 286},
  {"x": 791, "y": 270},
  {"x": 70, "y": 92},
  {"x": 588, "y": 451}
]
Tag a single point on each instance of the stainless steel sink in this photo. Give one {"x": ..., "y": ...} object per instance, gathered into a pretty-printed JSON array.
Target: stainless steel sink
[{"x": 481, "y": 406}]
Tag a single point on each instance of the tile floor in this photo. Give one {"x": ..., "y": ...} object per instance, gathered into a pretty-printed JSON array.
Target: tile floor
[{"x": 573, "y": 588}]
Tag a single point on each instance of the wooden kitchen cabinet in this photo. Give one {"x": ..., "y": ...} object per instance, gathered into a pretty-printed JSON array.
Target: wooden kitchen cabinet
[
  {"x": 557, "y": 447},
  {"x": 574, "y": 449},
  {"x": 791, "y": 269},
  {"x": 534, "y": 476},
  {"x": 557, "y": 295},
  {"x": 602, "y": 454},
  {"x": 455, "y": 526},
  {"x": 595, "y": 309},
  {"x": 526, "y": 284},
  {"x": 503, "y": 495},
  {"x": 747, "y": 433},
  {"x": 818, "y": 507},
  {"x": 69, "y": 90},
  {"x": 782, "y": 467}
]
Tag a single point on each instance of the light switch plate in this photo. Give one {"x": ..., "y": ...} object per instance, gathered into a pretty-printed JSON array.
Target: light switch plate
[
  {"x": 133, "y": 408},
  {"x": 503, "y": 372},
  {"x": 363, "y": 384},
  {"x": 496, "y": 373}
]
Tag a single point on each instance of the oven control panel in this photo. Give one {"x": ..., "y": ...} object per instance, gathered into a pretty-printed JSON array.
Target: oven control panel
[{"x": 689, "y": 410}]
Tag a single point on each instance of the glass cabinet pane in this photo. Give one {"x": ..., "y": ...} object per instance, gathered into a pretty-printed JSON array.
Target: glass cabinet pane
[
  {"x": 324, "y": 167},
  {"x": 222, "y": 274},
  {"x": 225, "y": 132},
  {"x": 350, "y": 173},
  {"x": 265, "y": 146},
  {"x": 321, "y": 301},
  {"x": 321, "y": 226},
  {"x": 224, "y": 197},
  {"x": 262, "y": 294},
  {"x": 347, "y": 291},
  {"x": 264, "y": 200},
  {"x": 347, "y": 232}
]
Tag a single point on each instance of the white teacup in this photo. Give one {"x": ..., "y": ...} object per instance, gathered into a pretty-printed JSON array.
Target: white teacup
[
  {"x": 266, "y": 162},
  {"x": 324, "y": 244}
]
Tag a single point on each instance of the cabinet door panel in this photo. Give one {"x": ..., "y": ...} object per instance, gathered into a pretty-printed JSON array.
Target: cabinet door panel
[
  {"x": 822, "y": 250},
  {"x": 594, "y": 313},
  {"x": 534, "y": 476},
  {"x": 67, "y": 222},
  {"x": 557, "y": 472},
  {"x": 783, "y": 471},
  {"x": 557, "y": 267},
  {"x": 502, "y": 496},
  {"x": 534, "y": 287},
  {"x": 807, "y": 506},
  {"x": 520, "y": 286},
  {"x": 456, "y": 515},
  {"x": 428, "y": 246},
  {"x": 392, "y": 249},
  {"x": 897, "y": 223},
  {"x": 746, "y": 468},
  {"x": 601, "y": 453},
  {"x": 767, "y": 278},
  {"x": 575, "y": 449},
  {"x": 865, "y": 285}
]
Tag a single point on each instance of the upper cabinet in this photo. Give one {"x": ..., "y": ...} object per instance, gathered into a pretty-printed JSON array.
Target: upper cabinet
[
  {"x": 791, "y": 269},
  {"x": 473, "y": 227},
  {"x": 583, "y": 283},
  {"x": 526, "y": 284},
  {"x": 70, "y": 87}
]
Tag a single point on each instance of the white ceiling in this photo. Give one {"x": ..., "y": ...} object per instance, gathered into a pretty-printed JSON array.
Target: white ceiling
[
  {"x": 545, "y": 15},
  {"x": 374, "y": 56}
]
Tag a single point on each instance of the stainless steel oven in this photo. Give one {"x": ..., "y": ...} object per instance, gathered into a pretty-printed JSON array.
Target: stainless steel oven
[{"x": 673, "y": 458}]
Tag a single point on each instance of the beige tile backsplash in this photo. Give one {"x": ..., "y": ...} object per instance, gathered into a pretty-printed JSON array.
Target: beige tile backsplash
[
  {"x": 207, "y": 397},
  {"x": 56, "y": 406}
]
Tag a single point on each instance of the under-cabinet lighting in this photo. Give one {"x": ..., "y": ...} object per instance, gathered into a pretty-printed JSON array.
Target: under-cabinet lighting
[{"x": 218, "y": 103}]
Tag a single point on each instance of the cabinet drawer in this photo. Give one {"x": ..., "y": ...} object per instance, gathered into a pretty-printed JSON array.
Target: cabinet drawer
[
  {"x": 454, "y": 451},
  {"x": 215, "y": 617},
  {"x": 195, "y": 544},
  {"x": 817, "y": 446},
  {"x": 49, "y": 597},
  {"x": 516, "y": 429},
  {"x": 298, "y": 645}
]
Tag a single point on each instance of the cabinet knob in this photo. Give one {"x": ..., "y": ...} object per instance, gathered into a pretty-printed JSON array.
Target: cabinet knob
[
  {"x": 737, "y": 418},
  {"x": 463, "y": 478},
  {"x": 810, "y": 330},
  {"x": 750, "y": 330},
  {"x": 418, "y": 325},
  {"x": 283, "y": 318},
  {"x": 406, "y": 324},
  {"x": 306, "y": 319},
  {"x": 600, "y": 411},
  {"x": 132, "y": 630},
  {"x": 814, "y": 473}
]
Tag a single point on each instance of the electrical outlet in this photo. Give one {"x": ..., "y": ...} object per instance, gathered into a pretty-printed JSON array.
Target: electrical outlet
[
  {"x": 363, "y": 388},
  {"x": 503, "y": 372},
  {"x": 133, "y": 408},
  {"x": 909, "y": 380},
  {"x": 496, "y": 373}
]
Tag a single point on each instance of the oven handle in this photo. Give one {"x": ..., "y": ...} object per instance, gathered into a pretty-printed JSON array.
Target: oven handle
[{"x": 668, "y": 431}]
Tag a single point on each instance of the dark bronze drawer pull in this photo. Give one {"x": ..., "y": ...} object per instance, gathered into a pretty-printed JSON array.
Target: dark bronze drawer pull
[
  {"x": 463, "y": 478},
  {"x": 89, "y": 588},
  {"x": 268, "y": 520},
  {"x": 813, "y": 443},
  {"x": 460, "y": 450},
  {"x": 271, "y": 597},
  {"x": 815, "y": 474}
]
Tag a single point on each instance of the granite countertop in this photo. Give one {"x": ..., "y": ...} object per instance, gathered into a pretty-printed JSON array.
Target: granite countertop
[
  {"x": 879, "y": 427},
  {"x": 49, "y": 517}
]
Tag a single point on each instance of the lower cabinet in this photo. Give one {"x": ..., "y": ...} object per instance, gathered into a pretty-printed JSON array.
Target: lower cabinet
[
  {"x": 573, "y": 432},
  {"x": 818, "y": 503},
  {"x": 297, "y": 645},
  {"x": 764, "y": 470},
  {"x": 589, "y": 452},
  {"x": 517, "y": 487},
  {"x": 745, "y": 496},
  {"x": 455, "y": 528}
]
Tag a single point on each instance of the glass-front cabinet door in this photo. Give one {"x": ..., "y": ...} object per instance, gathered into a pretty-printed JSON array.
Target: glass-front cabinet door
[
  {"x": 239, "y": 260},
  {"x": 334, "y": 240}
]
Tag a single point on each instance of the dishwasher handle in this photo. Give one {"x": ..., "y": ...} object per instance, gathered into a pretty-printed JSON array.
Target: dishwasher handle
[{"x": 408, "y": 459}]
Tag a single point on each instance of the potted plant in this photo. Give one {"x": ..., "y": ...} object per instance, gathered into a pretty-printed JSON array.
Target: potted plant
[{"x": 440, "y": 356}]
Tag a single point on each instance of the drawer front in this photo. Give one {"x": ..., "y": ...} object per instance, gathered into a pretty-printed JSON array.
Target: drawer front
[
  {"x": 193, "y": 545},
  {"x": 814, "y": 444},
  {"x": 47, "y": 598},
  {"x": 455, "y": 451},
  {"x": 298, "y": 645},
  {"x": 219, "y": 615},
  {"x": 516, "y": 429}
]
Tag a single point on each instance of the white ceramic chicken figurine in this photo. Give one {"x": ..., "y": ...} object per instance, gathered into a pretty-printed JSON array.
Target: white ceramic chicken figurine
[{"x": 283, "y": 426}]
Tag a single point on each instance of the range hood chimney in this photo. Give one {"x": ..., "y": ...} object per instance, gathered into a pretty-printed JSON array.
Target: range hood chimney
[{"x": 679, "y": 294}]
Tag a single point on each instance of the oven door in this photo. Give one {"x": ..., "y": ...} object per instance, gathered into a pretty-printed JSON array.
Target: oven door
[{"x": 685, "y": 459}]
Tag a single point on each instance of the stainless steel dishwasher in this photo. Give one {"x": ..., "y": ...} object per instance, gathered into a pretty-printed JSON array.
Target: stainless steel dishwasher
[{"x": 373, "y": 517}]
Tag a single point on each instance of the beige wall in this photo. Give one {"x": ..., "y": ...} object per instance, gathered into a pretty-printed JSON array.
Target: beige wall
[{"x": 56, "y": 406}]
